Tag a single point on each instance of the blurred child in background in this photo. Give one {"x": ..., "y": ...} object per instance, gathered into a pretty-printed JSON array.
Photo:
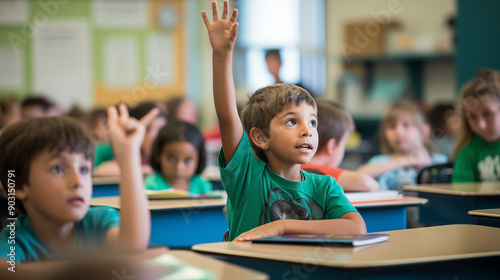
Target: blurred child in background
[
  {"x": 335, "y": 126},
  {"x": 478, "y": 146},
  {"x": 178, "y": 158},
  {"x": 445, "y": 124},
  {"x": 405, "y": 137}
]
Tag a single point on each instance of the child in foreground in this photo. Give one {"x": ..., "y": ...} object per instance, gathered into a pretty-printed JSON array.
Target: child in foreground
[
  {"x": 268, "y": 194},
  {"x": 335, "y": 126},
  {"x": 178, "y": 158},
  {"x": 404, "y": 134},
  {"x": 51, "y": 159},
  {"x": 477, "y": 152}
]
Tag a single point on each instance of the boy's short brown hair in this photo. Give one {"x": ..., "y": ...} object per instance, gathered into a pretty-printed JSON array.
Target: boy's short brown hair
[
  {"x": 266, "y": 103},
  {"x": 333, "y": 122},
  {"x": 21, "y": 142}
]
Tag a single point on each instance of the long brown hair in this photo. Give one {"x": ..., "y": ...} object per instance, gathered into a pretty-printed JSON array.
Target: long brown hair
[{"x": 486, "y": 83}]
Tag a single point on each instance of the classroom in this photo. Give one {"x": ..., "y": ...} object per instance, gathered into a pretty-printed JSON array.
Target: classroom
[{"x": 249, "y": 139}]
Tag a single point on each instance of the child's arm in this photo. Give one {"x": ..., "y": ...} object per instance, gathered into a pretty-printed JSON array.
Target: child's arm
[
  {"x": 353, "y": 181},
  {"x": 349, "y": 223},
  {"x": 222, "y": 33},
  {"x": 107, "y": 168},
  {"x": 126, "y": 136},
  {"x": 417, "y": 159}
]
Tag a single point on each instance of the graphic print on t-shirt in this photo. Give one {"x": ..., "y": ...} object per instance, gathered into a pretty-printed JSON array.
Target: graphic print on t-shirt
[
  {"x": 489, "y": 168},
  {"x": 281, "y": 205}
]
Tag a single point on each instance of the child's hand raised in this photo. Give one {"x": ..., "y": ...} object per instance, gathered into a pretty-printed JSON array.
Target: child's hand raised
[
  {"x": 126, "y": 134},
  {"x": 222, "y": 32}
]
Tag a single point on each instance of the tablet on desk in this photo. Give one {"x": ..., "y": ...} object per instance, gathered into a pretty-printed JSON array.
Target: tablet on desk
[{"x": 315, "y": 239}]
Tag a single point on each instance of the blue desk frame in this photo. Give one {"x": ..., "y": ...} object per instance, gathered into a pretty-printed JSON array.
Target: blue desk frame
[
  {"x": 185, "y": 227},
  {"x": 387, "y": 215}
]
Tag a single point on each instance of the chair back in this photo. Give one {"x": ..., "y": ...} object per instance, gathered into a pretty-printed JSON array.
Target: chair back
[{"x": 435, "y": 174}]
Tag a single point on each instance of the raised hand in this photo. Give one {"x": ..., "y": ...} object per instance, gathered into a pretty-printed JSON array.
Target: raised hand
[
  {"x": 222, "y": 32},
  {"x": 126, "y": 133}
]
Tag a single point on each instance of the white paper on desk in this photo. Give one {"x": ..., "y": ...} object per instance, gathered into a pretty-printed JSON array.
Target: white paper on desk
[
  {"x": 121, "y": 61},
  {"x": 126, "y": 14},
  {"x": 161, "y": 54},
  {"x": 62, "y": 62},
  {"x": 380, "y": 195},
  {"x": 11, "y": 68},
  {"x": 13, "y": 12}
]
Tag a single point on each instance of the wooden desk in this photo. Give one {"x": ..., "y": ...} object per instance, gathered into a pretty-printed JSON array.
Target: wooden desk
[
  {"x": 105, "y": 186},
  {"x": 220, "y": 269},
  {"x": 181, "y": 223},
  {"x": 387, "y": 215},
  {"x": 442, "y": 252},
  {"x": 486, "y": 217},
  {"x": 449, "y": 203}
]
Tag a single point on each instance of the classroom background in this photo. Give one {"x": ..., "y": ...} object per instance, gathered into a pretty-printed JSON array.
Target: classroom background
[{"x": 364, "y": 54}]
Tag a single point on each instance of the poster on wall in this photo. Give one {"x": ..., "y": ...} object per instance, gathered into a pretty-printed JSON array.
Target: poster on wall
[
  {"x": 13, "y": 12},
  {"x": 121, "y": 62},
  {"x": 62, "y": 64},
  {"x": 11, "y": 69},
  {"x": 128, "y": 14}
]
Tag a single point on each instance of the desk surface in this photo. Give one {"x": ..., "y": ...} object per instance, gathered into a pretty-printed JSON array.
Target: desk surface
[
  {"x": 105, "y": 180},
  {"x": 221, "y": 269},
  {"x": 164, "y": 204},
  {"x": 485, "y": 213},
  {"x": 462, "y": 189},
  {"x": 403, "y": 202},
  {"x": 411, "y": 246}
]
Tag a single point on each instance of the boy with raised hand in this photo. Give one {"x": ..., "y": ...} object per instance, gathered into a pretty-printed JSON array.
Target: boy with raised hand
[
  {"x": 51, "y": 158},
  {"x": 268, "y": 194}
]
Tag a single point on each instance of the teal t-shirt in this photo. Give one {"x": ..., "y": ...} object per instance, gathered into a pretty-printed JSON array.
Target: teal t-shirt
[
  {"x": 198, "y": 185},
  {"x": 256, "y": 195},
  {"x": 103, "y": 152},
  {"x": 396, "y": 179},
  {"x": 29, "y": 247},
  {"x": 479, "y": 161}
]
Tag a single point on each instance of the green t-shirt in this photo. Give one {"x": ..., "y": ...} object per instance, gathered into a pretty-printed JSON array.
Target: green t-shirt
[
  {"x": 478, "y": 161},
  {"x": 29, "y": 247},
  {"x": 256, "y": 195},
  {"x": 198, "y": 185},
  {"x": 103, "y": 152}
]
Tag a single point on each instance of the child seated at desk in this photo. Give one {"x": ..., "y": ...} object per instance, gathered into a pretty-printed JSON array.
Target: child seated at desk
[
  {"x": 268, "y": 194},
  {"x": 178, "y": 158},
  {"x": 477, "y": 151},
  {"x": 404, "y": 137},
  {"x": 47, "y": 162},
  {"x": 335, "y": 126}
]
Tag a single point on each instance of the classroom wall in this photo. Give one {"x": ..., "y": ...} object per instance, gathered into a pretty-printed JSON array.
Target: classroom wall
[{"x": 438, "y": 77}]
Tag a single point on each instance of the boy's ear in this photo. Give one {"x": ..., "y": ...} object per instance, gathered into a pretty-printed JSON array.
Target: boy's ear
[
  {"x": 21, "y": 193},
  {"x": 258, "y": 138},
  {"x": 331, "y": 145}
]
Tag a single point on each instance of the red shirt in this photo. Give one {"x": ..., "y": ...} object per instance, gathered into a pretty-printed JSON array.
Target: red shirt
[{"x": 328, "y": 170}]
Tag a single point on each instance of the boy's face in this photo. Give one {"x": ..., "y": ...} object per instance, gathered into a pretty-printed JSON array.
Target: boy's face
[
  {"x": 59, "y": 187},
  {"x": 293, "y": 135}
]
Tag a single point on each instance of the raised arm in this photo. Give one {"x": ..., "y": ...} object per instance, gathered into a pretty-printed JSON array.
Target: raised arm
[
  {"x": 126, "y": 136},
  {"x": 222, "y": 33}
]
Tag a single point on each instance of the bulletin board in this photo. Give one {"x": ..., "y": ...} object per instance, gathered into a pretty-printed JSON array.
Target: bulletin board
[{"x": 96, "y": 52}]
